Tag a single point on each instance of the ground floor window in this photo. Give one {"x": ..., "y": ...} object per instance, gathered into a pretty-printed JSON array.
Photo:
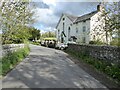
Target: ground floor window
[
  {"x": 62, "y": 39},
  {"x": 83, "y": 39}
]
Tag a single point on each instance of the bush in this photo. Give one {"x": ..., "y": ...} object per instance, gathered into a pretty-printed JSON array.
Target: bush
[
  {"x": 115, "y": 42},
  {"x": 92, "y": 42},
  {"x": 97, "y": 42},
  {"x": 11, "y": 59}
]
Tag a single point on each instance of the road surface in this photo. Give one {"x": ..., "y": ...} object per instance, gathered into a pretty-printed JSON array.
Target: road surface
[{"x": 48, "y": 68}]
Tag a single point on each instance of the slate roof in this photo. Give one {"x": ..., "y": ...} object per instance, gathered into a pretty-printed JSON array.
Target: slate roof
[
  {"x": 71, "y": 17},
  {"x": 76, "y": 19},
  {"x": 85, "y": 17}
]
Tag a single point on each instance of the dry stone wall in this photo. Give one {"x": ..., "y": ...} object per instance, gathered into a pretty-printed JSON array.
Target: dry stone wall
[
  {"x": 108, "y": 53},
  {"x": 11, "y": 48}
]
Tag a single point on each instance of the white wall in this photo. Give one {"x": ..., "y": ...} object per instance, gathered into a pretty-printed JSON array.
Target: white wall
[
  {"x": 80, "y": 33},
  {"x": 67, "y": 24}
]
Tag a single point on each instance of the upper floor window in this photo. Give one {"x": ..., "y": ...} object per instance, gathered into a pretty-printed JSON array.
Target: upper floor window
[
  {"x": 76, "y": 30},
  {"x": 69, "y": 33},
  {"x": 84, "y": 21},
  {"x": 63, "y": 26},
  {"x": 58, "y": 31},
  {"x": 63, "y": 19},
  {"x": 69, "y": 30},
  {"x": 84, "y": 29}
]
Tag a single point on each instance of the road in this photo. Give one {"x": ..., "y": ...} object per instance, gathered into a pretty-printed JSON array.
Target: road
[{"x": 48, "y": 68}]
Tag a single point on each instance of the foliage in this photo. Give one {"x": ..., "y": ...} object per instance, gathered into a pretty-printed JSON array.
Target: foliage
[
  {"x": 115, "y": 42},
  {"x": 15, "y": 17},
  {"x": 11, "y": 59},
  {"x": 17, "y": 37},
  {"x": 50, "y": 38},
  {"x": 35, "y": 34},
  {"x": 110, "y": 69},
  {"x": 111, "y": 15},
  {"x": 98, "y": 42},
  {"x": 110, "y": 21},
  {"x": 25, "y": 34},
  {"x": 48, "y": 34}
]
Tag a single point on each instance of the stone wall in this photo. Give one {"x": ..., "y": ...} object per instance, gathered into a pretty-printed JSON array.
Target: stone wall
[
  {"x": 11, "y": 48},
  {"x": 107, "y": 53}
]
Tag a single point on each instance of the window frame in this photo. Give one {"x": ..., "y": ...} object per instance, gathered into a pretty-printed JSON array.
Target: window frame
[{"x": 84, "y": 29}]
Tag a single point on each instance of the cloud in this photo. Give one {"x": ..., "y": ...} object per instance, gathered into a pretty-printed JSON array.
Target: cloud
[
  {"x": 39, "y": 5},
  {"x": 45, "y": 17},
  {"x": 75, "y": 8}
]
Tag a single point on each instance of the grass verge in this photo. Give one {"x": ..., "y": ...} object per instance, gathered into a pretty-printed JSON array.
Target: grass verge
[
  {"x": 110, "y": 69},
  {"x": 9, "y": 61}
]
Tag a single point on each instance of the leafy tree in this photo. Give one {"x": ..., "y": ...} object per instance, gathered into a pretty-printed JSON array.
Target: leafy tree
[
  {"x": 48, "y": 34},
  {"x": 110, "y": 15},
  {"x": 15, "y": 16},
  {"x": 35, "y": 34}
]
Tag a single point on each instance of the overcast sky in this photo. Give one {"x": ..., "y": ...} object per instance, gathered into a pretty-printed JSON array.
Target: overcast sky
[{"x": 48, "y": 13}]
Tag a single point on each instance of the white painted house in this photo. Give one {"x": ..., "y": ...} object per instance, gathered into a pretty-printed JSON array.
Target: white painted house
[{"x": 82, "y": 29}]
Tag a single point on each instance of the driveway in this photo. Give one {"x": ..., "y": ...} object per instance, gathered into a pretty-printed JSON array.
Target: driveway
[{"x": 48, "y": 68}]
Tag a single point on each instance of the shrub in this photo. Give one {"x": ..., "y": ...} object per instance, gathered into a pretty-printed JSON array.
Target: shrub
[
  {"x": 91, "y": 42},
  {"x": 11, "y": 59},
  {"x": 115, "y": 42},
  {"x": 97, "y": 42}
]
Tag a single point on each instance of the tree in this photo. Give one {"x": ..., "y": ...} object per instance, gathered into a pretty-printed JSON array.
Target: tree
[
  {"x": 35, "y": 34},
  {"x": 15, "y": 16},
  {"x": 48, "y": 34},
  {"x": 110, "y": 16}
]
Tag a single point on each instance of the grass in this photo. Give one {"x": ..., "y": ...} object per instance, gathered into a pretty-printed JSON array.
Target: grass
[
  {"x": 110, "y": 69},
  {"x": 9, "y": 61}
]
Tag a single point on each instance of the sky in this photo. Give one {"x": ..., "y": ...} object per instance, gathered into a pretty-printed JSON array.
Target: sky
[{"x": 48, "y": 12}]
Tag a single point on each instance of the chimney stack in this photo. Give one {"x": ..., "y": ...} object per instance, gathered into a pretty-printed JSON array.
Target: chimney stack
[{"x": 99, "y": 7}]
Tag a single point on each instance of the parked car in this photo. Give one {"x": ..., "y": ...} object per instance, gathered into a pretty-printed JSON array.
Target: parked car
[
  {"x": 61, "y": 46},
  {"x": 49, "y": 42}
]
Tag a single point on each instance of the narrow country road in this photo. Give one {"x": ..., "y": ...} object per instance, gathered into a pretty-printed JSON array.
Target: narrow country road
[{"x": 48, "y": 68}]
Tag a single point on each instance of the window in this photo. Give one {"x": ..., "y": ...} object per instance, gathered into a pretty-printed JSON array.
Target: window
[
  {"x": 68, "y": 33},
  {"x": 84, "y": 21},
  {"x": 63, "y": 26},
  {"x": 83, "y": 39},
  {"x": 58, "y": 32},
  {"x": 63, "y": 19},
  {"x": 84, "y": 29},
  {"x": 76, "y": 30}
]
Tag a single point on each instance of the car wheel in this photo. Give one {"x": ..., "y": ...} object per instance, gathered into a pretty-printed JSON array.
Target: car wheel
[{"x": 62, "y": 48}]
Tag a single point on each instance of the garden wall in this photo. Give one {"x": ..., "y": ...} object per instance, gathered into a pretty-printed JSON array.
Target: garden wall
[
  {"x": 11, "y": 48},
  {"x": 108, "y": 53}
]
